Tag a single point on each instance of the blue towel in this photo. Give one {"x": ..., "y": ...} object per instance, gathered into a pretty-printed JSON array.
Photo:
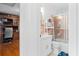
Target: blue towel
[{"x": 62, "y": 53}]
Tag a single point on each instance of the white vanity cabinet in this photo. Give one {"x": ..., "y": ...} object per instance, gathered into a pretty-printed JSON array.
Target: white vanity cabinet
[
  {"x": 45, "y": 45},
  {"x": 59, "y": 46}
]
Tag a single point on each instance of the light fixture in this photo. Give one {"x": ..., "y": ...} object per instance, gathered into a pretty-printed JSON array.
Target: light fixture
[
  {"x": 59, "y": 17},
  {"x": 42, "y": 11}
]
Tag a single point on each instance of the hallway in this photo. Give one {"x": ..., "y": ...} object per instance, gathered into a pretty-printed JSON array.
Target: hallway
[{"x": 11, "y": 48}]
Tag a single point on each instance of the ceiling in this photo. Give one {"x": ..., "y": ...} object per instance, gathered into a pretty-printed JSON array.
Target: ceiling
[
  {"x": 53, "y": 9},
  {"x": 12, "y": 4},
  {"x": 11, "y": 8},
  {"x": 9, "y": 4}
]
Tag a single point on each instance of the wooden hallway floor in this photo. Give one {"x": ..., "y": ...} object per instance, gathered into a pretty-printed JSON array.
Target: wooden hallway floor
[{"x": 11, "y": 48}]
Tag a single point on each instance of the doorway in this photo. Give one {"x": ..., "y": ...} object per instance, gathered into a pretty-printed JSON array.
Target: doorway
[{"x": 9, "y": 29}]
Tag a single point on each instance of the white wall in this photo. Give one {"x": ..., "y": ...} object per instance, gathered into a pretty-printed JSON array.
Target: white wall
[
  {"x": 78, "y": 29},
  {"x": 73, "y": 29},
  {"x": 29, "y": 29}
]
